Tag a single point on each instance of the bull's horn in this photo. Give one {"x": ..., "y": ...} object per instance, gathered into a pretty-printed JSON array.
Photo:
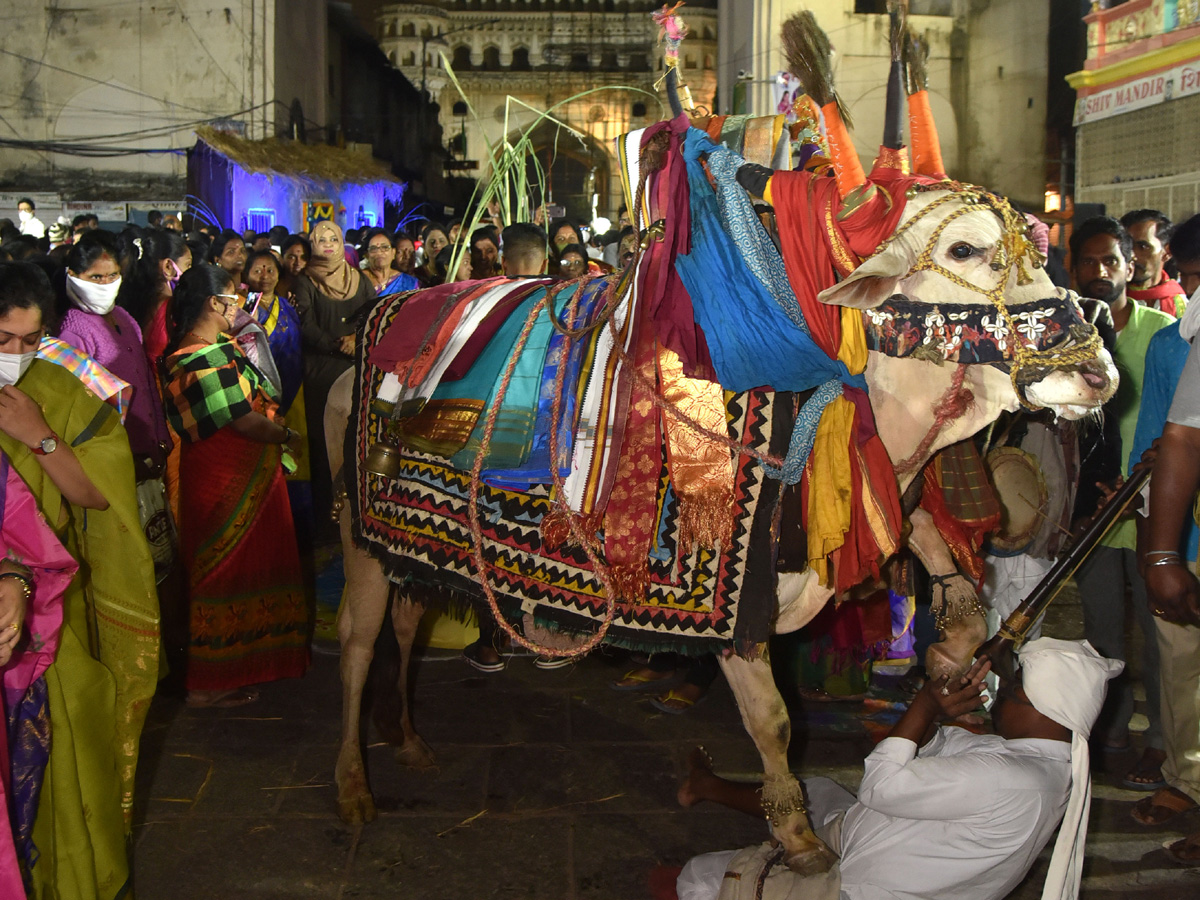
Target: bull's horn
[
  {"x": 673, "y": 92},
  {"x": 383, "y": 458},
  {"x": 808, "y": 52},
  {"x": 926, "y": 148},
  {"x": 893, "y": 125}
]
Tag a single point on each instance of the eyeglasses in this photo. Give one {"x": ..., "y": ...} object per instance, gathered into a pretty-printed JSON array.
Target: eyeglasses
[
  {"x": 380, "y": 248},
  {"x": 228, "y": 296},
  {"x": 571, "y": 263}
]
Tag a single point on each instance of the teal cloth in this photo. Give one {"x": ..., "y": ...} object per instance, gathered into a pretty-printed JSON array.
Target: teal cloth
[{"x": 512, "y": 437}]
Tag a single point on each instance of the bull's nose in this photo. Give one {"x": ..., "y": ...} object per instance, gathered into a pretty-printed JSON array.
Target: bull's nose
[{"x": 1094, "y": 380}]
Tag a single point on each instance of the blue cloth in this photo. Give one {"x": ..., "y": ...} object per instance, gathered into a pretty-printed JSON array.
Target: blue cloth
[
  {"x": 1165, "y": 356},
  {"x": 754, "y": 326},
  {"x": 284, "y": 340},
  {"x": 536, "y": 469},
  {"x": 401, "y": 283},
  {"x": 752, "y": 341}
]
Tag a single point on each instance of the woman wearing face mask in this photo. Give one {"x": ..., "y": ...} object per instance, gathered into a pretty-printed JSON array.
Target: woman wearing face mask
[
  {"x": 146, "y": 291},
  {"x": 247, "y": 608},
  {"x": 71, "y": 450},
  {"x": 329, "y": 297},
  {"x": 97, "y": 327}
]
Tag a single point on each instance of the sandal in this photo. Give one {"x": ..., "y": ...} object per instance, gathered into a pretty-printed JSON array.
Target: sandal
[
  {"x": 820, "y": 695},
  {"x": 471, "y": 655},
  {"x": 1185, "y": 851},
  {"x": 1161, "y": 807},
  {"x": 663, "y": 703},
  {"x": 639, "y": 680},
  {"x": 550, "y": 663},
  {"x": 221, "y": 699},
  {"x": 1146, "y": 774}
]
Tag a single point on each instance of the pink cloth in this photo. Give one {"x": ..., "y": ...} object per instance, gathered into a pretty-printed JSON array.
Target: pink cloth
[
  {"x": 27, "y": 539},
  {"x": 119, "y": 349}
]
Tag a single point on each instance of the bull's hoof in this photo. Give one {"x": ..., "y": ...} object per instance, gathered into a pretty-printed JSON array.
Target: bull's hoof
[
  {"x": 815, "y": 859},
  {"x": 415, "y": 754},
  {"x": 356, "y": 810}
]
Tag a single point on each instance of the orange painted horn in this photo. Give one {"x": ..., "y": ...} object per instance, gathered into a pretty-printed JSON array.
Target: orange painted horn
[
  {"x": 846, "y": 166},
  {"x": 926, "y": 148}
]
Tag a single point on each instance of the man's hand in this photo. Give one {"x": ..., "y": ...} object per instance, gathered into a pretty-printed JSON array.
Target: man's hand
[
  {"x": 1173, "y": 594},
  {"x": 941, "y": 698},
  {"x": 957, "y": 697},
  {"x": 21, "y": 418},
  {"x": 346, "y": 343}
]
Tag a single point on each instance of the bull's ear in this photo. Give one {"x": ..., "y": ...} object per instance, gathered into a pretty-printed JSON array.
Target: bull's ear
[{"x": 873, "y": 281}]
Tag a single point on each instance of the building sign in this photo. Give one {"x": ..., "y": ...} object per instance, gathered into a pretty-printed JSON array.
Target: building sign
[
  {"x": 1148, "y": 90},
  {"x": 315, "y": 211}
]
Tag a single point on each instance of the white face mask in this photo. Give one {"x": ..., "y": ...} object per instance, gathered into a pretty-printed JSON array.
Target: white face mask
[
  {"x": 92, "y": 297},
  {"x": 13, "y": 366},
  {"x": 24, "y": 215}
]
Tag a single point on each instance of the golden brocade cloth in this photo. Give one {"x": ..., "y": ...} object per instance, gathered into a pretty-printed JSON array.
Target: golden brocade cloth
[{"x": 701, "y": 467}]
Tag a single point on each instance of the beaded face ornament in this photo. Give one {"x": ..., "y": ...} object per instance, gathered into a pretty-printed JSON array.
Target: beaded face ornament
[{"x": 1027, "y": 340}]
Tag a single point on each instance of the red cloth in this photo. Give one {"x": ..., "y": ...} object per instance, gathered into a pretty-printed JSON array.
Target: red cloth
[
  {"x": 670, "y": 307},
  {"x": 1161, "y": 296},
  {"x": 248, "y": 617},
  {"x": 815, "y": 245},
  {"x": 399, "y": 346}
]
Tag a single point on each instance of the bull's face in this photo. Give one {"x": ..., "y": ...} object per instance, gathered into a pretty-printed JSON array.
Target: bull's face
[{"x": 960, "y": 282}]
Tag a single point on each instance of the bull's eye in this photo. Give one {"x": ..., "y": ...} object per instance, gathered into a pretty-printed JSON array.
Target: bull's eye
[{"x": 963, "y": 250}]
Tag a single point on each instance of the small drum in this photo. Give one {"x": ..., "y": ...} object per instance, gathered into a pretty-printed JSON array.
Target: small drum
[{"x": 1021, "y": 490}]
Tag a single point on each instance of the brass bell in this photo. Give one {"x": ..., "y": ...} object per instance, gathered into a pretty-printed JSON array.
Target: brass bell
[{"x": 383, "y": 458}]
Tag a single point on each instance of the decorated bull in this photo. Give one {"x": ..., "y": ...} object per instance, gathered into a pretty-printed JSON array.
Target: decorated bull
[{"x": 710, "y": 445}]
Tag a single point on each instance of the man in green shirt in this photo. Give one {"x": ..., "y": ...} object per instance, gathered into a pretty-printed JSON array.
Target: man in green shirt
[{"x": 1102, "y": 261}]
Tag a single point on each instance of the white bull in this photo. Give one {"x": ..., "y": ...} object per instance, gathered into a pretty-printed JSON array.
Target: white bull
[{"x": 945, "y": 256}]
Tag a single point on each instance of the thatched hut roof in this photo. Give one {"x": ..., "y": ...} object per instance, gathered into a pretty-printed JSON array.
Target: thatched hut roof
[{"x": 314, "y": 163}]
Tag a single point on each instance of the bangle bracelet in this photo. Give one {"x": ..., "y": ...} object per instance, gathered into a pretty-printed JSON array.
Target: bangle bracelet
[
  {"x": 1167, "y": 561},
  {"x": 1162, "y": 553},
  {"x": 26, "y": 584}
]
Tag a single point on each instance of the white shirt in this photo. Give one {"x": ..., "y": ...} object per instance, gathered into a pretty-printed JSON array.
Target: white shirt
[
  {"x": 964, "y": 819},
  {"x": 34, "y": 228}
]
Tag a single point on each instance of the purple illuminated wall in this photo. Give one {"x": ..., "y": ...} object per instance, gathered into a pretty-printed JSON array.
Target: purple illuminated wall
[{"x": 224, "y": 190}]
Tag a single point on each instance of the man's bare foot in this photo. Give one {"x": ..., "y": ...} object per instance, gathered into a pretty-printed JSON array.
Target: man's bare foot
[{"x": 699, "y": 777}]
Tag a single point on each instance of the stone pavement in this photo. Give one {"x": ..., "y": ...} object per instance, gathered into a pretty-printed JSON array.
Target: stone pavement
[{"x": 550, "y": 785}]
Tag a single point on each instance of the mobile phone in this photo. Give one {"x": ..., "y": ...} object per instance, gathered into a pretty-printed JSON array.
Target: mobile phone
[
  {"x": 251, "y": 302},
  {"x": 554, "y": 211}
]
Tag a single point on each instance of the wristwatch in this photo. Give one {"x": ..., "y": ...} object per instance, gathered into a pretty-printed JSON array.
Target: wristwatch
[{"x": 46, "y": 445}]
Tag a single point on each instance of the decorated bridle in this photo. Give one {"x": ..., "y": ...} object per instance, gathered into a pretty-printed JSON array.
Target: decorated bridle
[{"x": 1026, "y": 340}]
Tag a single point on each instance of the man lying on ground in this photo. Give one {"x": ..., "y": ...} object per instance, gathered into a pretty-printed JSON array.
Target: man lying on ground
[{"x": 942, "y": 812}]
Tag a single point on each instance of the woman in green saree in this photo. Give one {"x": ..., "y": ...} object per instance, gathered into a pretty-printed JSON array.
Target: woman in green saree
[{"x": 71, "y": 450}]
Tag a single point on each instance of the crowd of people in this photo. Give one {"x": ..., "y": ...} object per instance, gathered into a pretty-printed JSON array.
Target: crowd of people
[
  {"x": 171, "y": 385},
  {"x": 216, "y": 351}
]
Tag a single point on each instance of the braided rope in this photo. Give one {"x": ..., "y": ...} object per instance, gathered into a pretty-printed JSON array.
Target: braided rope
[
  {"x": 1011, "y": 254},
  {"x": 616, "y": 292}
]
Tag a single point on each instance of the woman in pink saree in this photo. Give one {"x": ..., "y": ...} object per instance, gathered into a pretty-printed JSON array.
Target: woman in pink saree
[{"x": 35, "y": 570}]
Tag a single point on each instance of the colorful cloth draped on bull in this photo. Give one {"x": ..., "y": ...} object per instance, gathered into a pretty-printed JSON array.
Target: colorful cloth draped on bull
[
  {"x": 687, "y": 530},
  {"x": 418, "y": 524}
]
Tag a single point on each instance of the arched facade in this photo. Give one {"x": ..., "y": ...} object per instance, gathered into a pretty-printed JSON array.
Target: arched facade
[{"x": 543, "y": 52}]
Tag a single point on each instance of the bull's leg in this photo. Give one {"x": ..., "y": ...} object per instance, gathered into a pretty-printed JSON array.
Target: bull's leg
[
  {"x": 406, "y": 617},
  {"x": 359, "y": 620},
  {"x": 766, "y": 719},
  {"x": 957, "y": 598}
]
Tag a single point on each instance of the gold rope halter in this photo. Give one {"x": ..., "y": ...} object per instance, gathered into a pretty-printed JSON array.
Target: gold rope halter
[{"x": 1014, "y": 252}]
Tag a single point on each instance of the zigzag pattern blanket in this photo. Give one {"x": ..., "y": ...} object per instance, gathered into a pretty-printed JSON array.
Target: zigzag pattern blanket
[{"x": 703, "y": 600}]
